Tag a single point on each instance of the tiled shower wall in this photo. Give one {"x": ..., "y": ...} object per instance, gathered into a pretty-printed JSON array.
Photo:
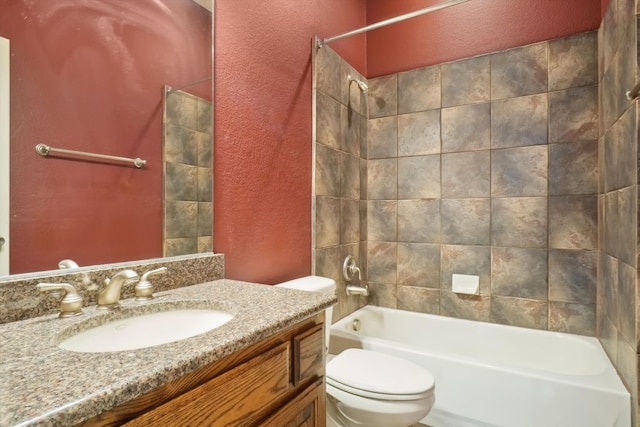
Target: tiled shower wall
[
  {"x": 188, "y": 174},
  {"x": 339, "y": 173},
  {"x": 488, "y": 166},
  {"x": 617, "y": 310}
]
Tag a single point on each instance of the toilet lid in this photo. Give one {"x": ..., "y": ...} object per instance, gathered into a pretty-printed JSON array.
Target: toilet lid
[{"x": 376, "y": 373}]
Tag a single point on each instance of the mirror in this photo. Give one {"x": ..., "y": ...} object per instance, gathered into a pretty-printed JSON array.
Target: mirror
[{"x": 90, "y": 75}]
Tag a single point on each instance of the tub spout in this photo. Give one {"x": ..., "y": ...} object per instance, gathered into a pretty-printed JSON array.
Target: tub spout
[{"x": 358, "y": 290}]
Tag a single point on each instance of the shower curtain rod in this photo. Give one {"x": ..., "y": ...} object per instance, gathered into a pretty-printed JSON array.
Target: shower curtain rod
[{"x": 390, "y": 21}]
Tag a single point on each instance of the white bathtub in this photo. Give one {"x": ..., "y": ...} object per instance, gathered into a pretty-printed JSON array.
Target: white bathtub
[{"x": 495, "y": 375}]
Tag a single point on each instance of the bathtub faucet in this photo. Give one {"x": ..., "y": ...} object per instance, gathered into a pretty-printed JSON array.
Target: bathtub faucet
[{"x": 349, "y": 269}]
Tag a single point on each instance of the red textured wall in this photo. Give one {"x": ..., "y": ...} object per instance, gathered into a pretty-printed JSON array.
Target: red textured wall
[
  {"x": 88, "y": 75},
  {"x": 472, "y": 28},
  {"x": 262, "y": 160}
]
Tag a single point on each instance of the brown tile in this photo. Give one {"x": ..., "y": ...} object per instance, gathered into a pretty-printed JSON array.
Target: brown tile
[
  {"x": 519, "y": 272},
  {"x": 382, "y": 262},
  {"x": 627, "y": 228},
  {"x": 204, "y": 142},
  {"x": 472, "y": 260},
  {"x": 382, "y": 138},
  {"x": 328, "y": 263},
  {"x": 421, "y": 300},
  {"x": 520, "y": 171},
  {"x": 350, "y": 182},
  {"x": 364, "y": 170},
  {"x": 328, "y": 66},
  {"x": 205, "y": 218},
  {"x": 349, "y": 221},
  {"x": 573, "y": 61},
  {"x": 465, "y": 221},
  {"x": 573, "y": 222},
  {"x": 327, "y": 221},
  {"x": 181, "y": 109},
  {"x": 517, "y": 122},
  {"x": 382, "y": 180},
  {"x": 519, "y": 222},
  {"x": 327, "y": 171},
  {"x": 572, "y": 318},
  {"x": 204, "y": 121},
  {"x": 205, "y": 184},
  {"x": 205, "y": 244},
  {"x": 383, "y": 295},
  {"x": 627, "y": 364},
  {"x": 621, "y": 152},
  {"x": 466, "y": 81},
  {"x": 608, "y": 277},
  {"x": 180, "y": 145},
  {"x": 470, "y": 307},
  {"x": 419, "y": 133},
  {"x": 611, "y": 226},
  {"x": 466, "y": 174},
  {"x": 180, "y": 246},
  {"x": 573, "y": 168},
  {"x": 364, "y": 235},
  {"x": 607, "y": 335},
  {"x": 382, "y": 220},
  {"x": 627, "y": 299},
  {"x": 328, "y": 121},
  {"x": 419, "y": 90},
  {"x": 181, "y": 219},
  {"x": 419, "y": 221},
  {"x": 573, "y": 114},
  {"x": 519, "y": 312},
  {"x": 466, "y": 128},
  {"x": 419, "y": 177},
  {"x": 351, "y": 130},
  {"x": 181, "y": 182},
  {"x": 383, "y": 96},
  {"x": 573, "y": 276},
  {"x": 520, "y": 71},
  {"x": 418, "y": 265}
]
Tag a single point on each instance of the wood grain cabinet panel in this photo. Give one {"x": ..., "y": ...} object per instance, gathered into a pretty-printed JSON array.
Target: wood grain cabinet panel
[
  {"x": 306, "y": 410},
  {"x": 232, "y": 399},
  {"x": 308, "y": 354}
]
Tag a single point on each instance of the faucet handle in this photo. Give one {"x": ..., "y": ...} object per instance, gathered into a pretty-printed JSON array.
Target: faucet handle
[
  {"x": 71, "y": 304},
  {"x": 144, "y": 288},
  {"x": 349, "y": 268}
]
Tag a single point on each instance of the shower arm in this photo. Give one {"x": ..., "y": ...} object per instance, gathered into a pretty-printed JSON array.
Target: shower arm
[{"x": 390, "y": 21}]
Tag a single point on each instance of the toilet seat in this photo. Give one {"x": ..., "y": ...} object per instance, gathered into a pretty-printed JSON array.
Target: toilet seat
[{"x": 379, "y": 376}]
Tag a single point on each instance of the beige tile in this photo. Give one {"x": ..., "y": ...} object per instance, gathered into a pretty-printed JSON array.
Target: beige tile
[
  {"x": 421, "y": 300},
  {"x": 466, "y": 175},
  {"x": 419, "y": 90},
  {"x": 418, "y": 265},
  {"x": 419, "y": 133},
  {"x": 466, "y": 81},
  {"x": 519, "y": 312},
  {"x": 465, "y": 221},
  {"x": 470, "y": 307},
  {"x": 472, "y": 260},
  {"x": 520, "y": 71},
  {"x": 518, "y": 272},
  {"x": 519, "y": 172},
  {"x": 519, "y": 222},
  {"x": 517, "y": 122},
  {"x": 419, "y": 177},
  {"x": 383, "y": 96},
  {"x": 419, "y": 221},
  {"x": 466, "y": 128},
  {"x": 573, "y": 222},
  {"x": 572, "y": 318}
]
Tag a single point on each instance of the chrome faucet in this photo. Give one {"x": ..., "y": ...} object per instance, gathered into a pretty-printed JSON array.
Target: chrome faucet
[
  {"x": 109, "y": 297},
  {"x": 349, "y": 270}
]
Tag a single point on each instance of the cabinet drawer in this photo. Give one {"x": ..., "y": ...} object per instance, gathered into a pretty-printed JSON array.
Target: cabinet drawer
[
  {"x": 306, "y": 410},
  {"x": 234, "y": 398},
  {"x": 308, "y": 354}
]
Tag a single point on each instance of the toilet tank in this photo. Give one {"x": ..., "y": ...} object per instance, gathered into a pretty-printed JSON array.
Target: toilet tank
[{"x": 323, "y": 285}]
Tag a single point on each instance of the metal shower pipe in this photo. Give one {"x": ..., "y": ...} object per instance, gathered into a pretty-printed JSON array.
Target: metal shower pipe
[{"x": 390, "y": 21}]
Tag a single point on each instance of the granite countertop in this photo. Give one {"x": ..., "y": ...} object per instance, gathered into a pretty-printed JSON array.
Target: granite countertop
[{"x": 41, "y": 384}]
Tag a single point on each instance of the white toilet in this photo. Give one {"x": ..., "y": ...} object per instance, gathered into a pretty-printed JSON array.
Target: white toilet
[{"x": 366, "y": 388}]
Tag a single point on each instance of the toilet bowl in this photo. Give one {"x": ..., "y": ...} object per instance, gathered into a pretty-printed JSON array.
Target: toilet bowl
[{"x": 366, "y": 388}]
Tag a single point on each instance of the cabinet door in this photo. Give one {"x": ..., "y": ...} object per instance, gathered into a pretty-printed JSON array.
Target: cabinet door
[
  {"x": 235, "y": 398},
  {"x": 306, "y": 410}
]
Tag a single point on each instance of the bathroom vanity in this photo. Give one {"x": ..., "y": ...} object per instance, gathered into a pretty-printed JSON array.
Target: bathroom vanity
[{"x": 264, "y": 367}]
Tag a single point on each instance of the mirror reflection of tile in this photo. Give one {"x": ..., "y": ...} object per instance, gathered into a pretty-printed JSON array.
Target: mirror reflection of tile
[{"x": 188, "y": 161}]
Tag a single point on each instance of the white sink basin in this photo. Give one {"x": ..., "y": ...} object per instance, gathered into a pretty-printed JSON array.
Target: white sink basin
[{"x": 146, "y": 330}]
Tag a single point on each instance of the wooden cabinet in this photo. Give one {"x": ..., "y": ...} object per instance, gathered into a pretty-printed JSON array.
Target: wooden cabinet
[{"x": 276, "y": 382}]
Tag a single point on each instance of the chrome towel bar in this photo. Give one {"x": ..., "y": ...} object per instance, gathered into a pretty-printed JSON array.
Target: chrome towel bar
[{"x": 44, "y": 151}]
